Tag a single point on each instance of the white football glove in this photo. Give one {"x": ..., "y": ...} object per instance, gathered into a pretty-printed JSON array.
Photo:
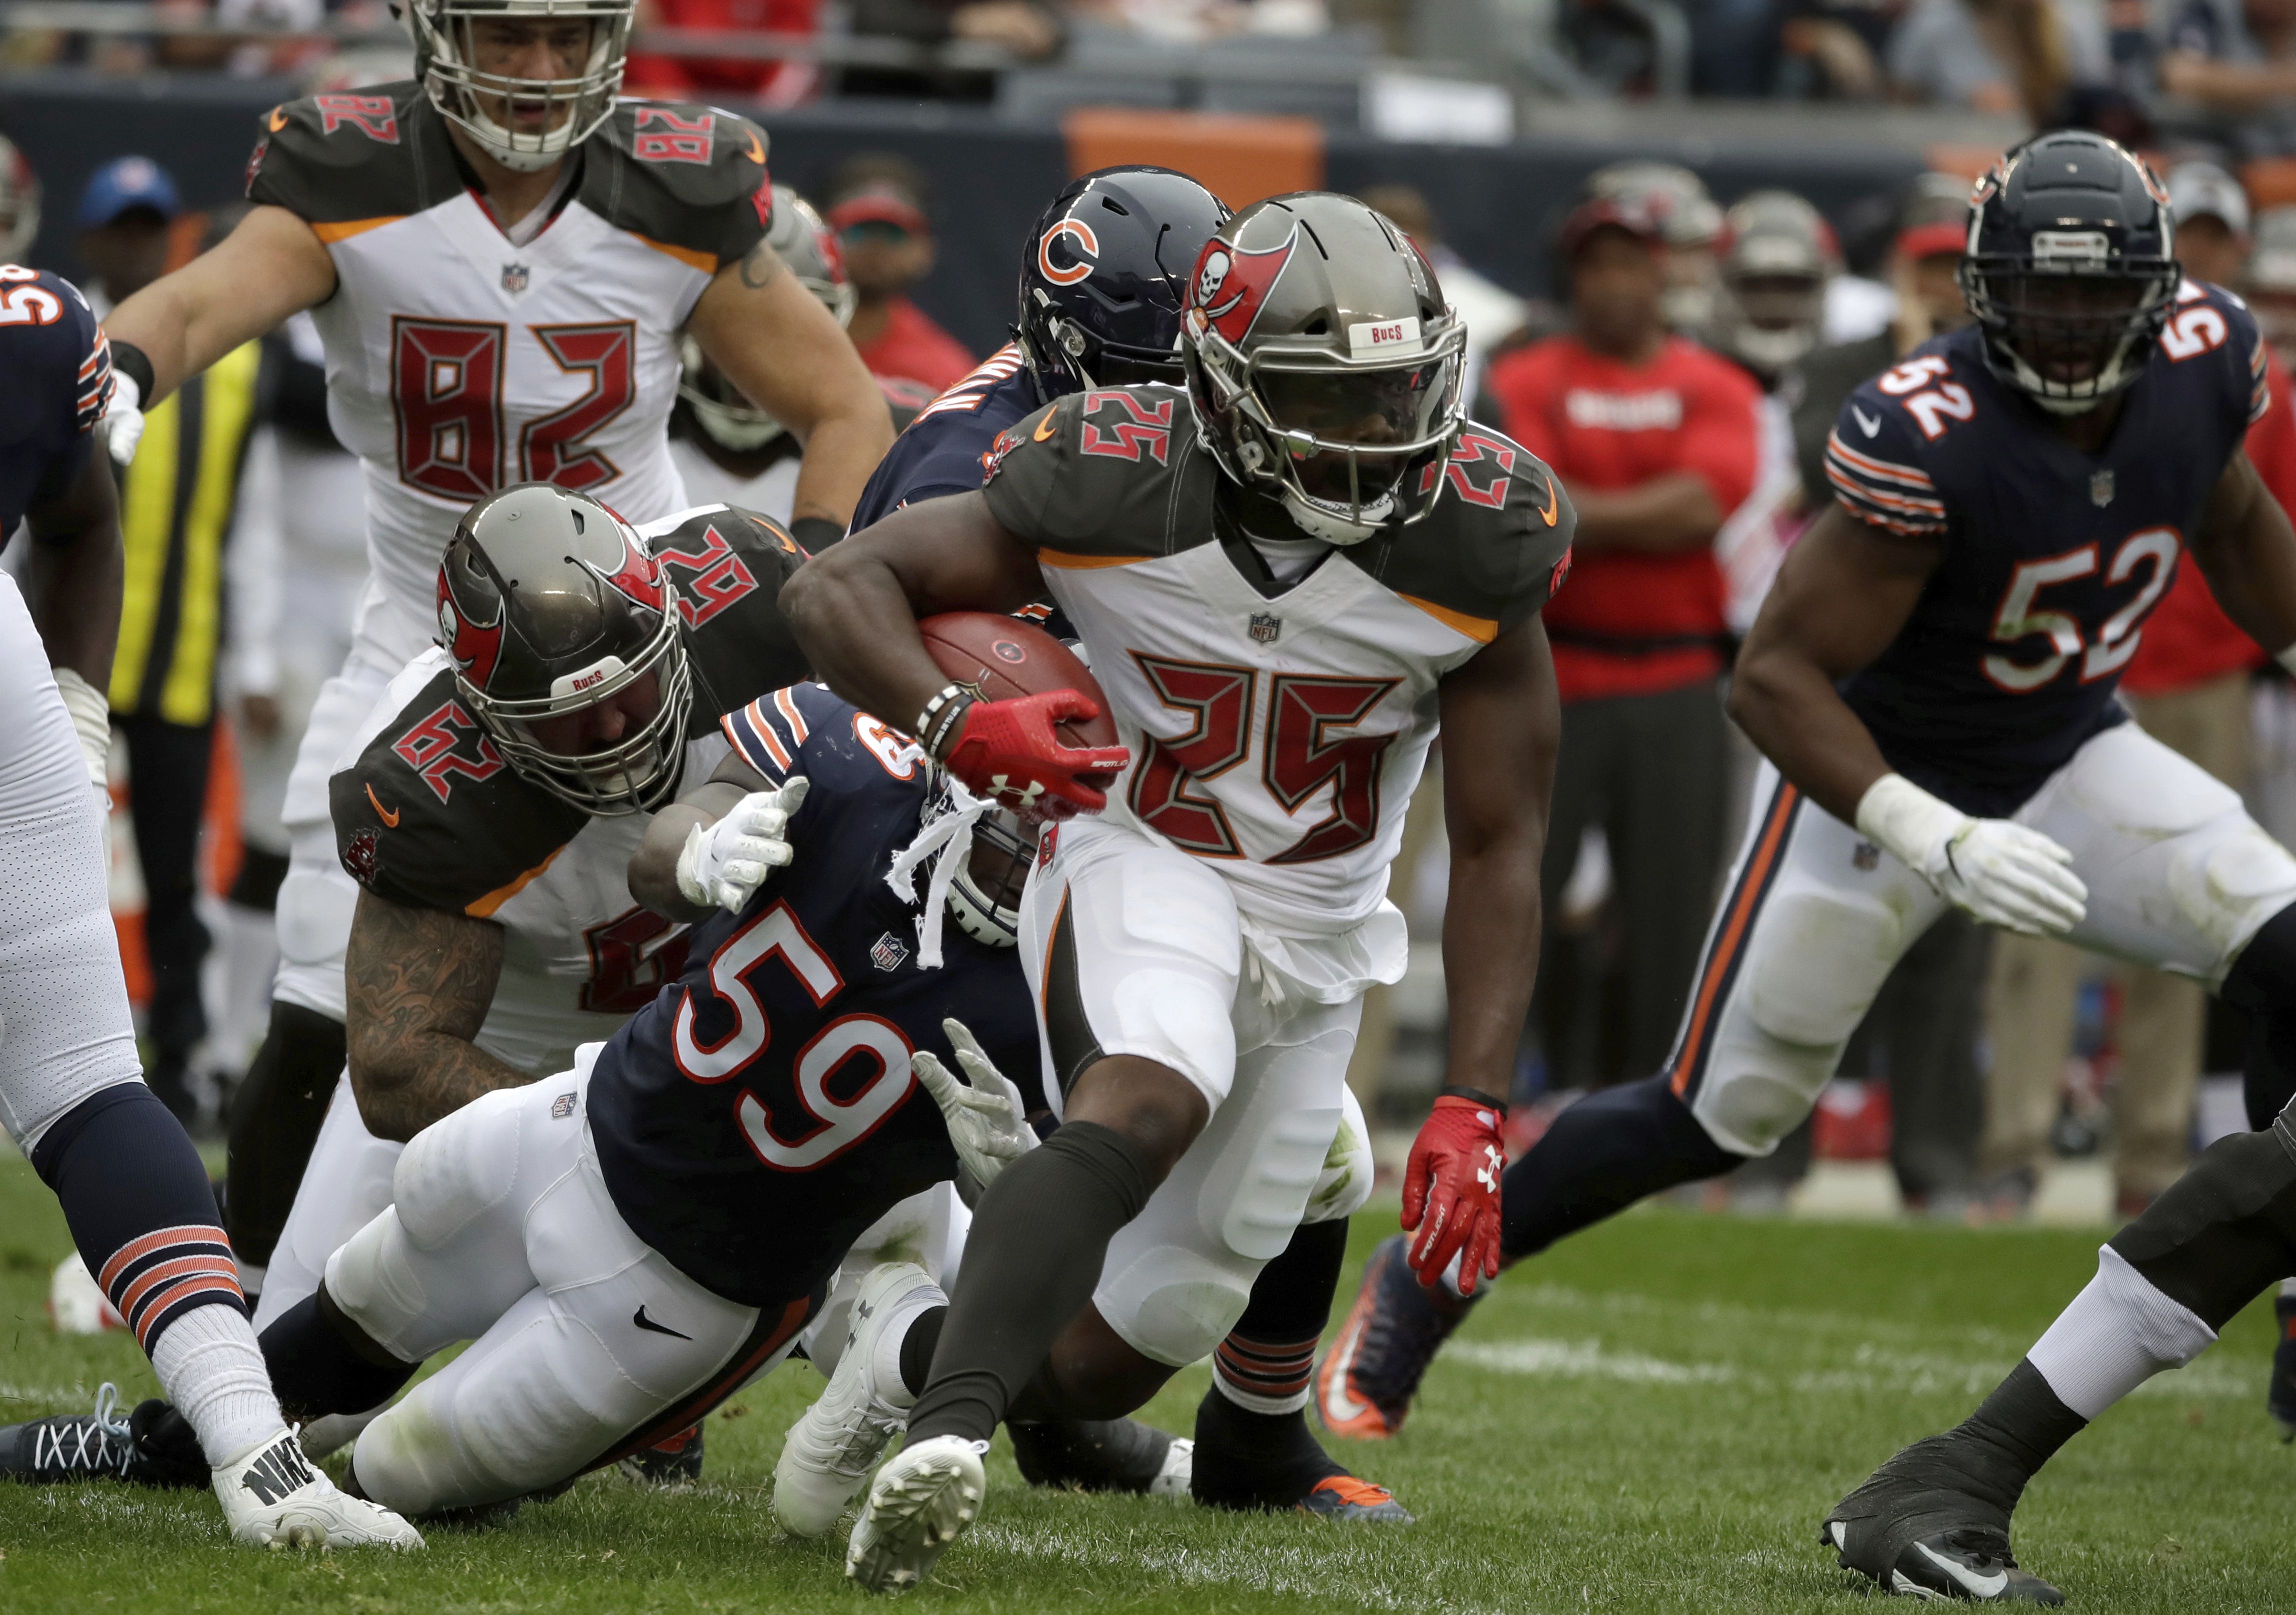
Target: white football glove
[
  {"x": 723, "y": 864},
  {"x": 2000, "y": 872},
  {"x": 986, "y": 1121},
  {"x": 123, "y": 418}
]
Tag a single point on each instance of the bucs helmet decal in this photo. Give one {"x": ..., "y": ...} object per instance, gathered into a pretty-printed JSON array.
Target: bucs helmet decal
[
  {"x": 475, "y": 646},
  {"x": 639, "y": 575},
  {"x": 1232, "y": 285}
]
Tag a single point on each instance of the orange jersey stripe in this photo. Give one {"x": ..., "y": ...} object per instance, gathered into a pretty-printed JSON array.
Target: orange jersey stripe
[{"x": 1734, "y": 930}]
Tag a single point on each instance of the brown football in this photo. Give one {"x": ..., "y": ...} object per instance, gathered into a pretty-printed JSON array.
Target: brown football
[{"x": 1003, "y": 657}]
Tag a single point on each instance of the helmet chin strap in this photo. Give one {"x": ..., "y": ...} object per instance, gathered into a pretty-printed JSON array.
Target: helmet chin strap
[{"x": 1313, "y": 520}]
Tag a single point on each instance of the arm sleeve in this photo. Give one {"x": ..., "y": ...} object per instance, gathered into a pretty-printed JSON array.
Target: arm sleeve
[
  {"x": 1879, "y": 475},
  {"x": 1721, "y": 442}
]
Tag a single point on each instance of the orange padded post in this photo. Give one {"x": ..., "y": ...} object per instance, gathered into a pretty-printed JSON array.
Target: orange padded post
[{"x": 1238, "y": 159}]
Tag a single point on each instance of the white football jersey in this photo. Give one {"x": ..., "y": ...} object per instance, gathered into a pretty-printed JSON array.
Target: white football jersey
[
  {"x": 1277, "y": 731},
  {"x": 460, "y": 361}
]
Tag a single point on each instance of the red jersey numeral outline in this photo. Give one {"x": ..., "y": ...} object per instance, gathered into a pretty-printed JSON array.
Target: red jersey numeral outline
[
  {"x": 663, "y": 136},
  {"x": 438, "y": 749},
  {"x": 716, "y": 577},
  {"x": 372, "y": 116},
  {"x": 1150, "y": 427}
]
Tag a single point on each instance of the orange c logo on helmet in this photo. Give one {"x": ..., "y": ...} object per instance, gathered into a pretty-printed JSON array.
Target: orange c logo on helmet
[{"x": 1086, "y": 251}]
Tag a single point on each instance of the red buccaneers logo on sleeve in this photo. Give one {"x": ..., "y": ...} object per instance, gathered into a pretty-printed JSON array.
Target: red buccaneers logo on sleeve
[
  {"x": 359, "y": 857},
  {"x": 1231, "y": 285}
]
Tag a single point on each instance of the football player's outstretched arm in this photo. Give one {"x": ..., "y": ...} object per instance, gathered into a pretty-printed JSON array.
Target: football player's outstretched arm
[
  {"x": 418, "y": 983},
  {"x": 2247, "y": 552},
  {"x": 716, "y": 844},
  {"x": 272, "y": 266},
  {"x": 854, "y": 608},
  {"x": 1844, "y": 593},
  {"x": 783, "y": 349},
  {"x": 78, "y": 571}
]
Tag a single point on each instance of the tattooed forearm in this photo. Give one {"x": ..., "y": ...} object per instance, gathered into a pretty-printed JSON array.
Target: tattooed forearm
[
  {"x": 419, "y": 983},
  {"x": 760, "y": 267}
]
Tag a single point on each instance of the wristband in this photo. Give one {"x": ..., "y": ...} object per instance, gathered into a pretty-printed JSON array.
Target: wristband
[
  {"x": 131, "y": 361},
  {"x": 1475, "y": 1096},
  {"x": 942, "y": 718},
  {"x": 814, "y": 534},
  {"x": 91, "y": 718},
  {"x": 1907, "y": 821}
]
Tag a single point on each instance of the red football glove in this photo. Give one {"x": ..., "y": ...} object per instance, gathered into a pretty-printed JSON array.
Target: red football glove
[
  {"x": 1451, "y": 1191},
  {"x": 1007, "y": 752}
]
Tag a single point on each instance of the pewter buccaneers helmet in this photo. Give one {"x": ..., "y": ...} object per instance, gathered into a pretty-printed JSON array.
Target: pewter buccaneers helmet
[
  {"x": 806, "y": 246},
  {"x": 549, "y": 605},
  {"x": 446, "y": 63},
  {"x": 1324, "y": 364}
]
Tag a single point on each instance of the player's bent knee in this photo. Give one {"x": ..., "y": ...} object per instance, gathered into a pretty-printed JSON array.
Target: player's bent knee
[
  {"x": 373, "y": 1284},
  {"x": 1176, "y": 1304},
  {"x": 1345, "y": 1183},
  {"x": 2230, "y": 882}
]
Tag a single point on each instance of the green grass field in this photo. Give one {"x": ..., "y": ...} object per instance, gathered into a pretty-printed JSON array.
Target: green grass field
[{"x": 1653, "y": 1418}]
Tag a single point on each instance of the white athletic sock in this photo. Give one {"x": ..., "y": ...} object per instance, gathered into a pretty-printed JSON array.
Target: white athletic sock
[
  {"x": 2288, "y": 1289},
  {"x": 2118, "y": 1332},
  {"x": 212, "y": 1370},
  {"x": 885, "y": 1363}
]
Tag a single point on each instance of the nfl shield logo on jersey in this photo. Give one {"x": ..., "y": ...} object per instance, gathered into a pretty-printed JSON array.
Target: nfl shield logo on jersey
[
  {"x": 1264, "y": 627},
  {"x": 515, "y": 277},
  {"x": 888, "y": 953},
  {"x": 2099, "y": 488}
]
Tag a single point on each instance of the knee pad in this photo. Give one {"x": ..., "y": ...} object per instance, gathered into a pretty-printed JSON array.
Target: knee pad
[
  {"x": 1345, "y": 1183},
  {"x": 1256, "y": 1194},
  {"x": 1815, "y": 969},
  {"x": 455, "y": 1170},
  {"x": 1176, "y": 1305},
  {"x": 371, "y": 1282}
]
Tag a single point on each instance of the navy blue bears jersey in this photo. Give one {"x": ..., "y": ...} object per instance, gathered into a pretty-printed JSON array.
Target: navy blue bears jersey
[
  {"x": 760, "y": 1114},
  {"x": 2052, "y": 558},
  {"x": 58, "y": 371},
  {"x": 945, "y": 450}
]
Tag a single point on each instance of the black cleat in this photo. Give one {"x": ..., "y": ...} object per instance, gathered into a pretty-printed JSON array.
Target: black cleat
[
  {"x": 2280, "y": 1399},
  {"x": 1921, "y": 1527},
  {"x": 1255, "y": 1462},
  {"x": 1101, "y": 1455},
  {"x": 677, "y": 1462},
  {"x": 1365, "y": 1384},
  {"x": 154, "y": 1446}
]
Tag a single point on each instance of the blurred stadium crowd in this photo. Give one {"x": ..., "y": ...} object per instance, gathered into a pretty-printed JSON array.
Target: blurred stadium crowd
[{"x": 1682, "y": 381}]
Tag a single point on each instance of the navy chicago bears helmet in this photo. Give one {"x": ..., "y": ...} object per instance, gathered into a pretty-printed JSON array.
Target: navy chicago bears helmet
[
  {"x": 2071, "y": 268},
  {"x": 549, "y": 604},
  {"x": 1103, "y": 275}
]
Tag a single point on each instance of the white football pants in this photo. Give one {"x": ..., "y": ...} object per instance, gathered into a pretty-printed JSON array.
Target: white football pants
[
  {"x": 585, "y": 1343},
  {"x": 64, "y": 1027},
  {"x": 1815, "y": 917},
  {"x": 316, "y": 900}
]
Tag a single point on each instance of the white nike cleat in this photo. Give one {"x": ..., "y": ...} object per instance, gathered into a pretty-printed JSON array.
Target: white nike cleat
[
  {"x": 920, "y": 1502},
  {"x": 1173, "y": 1479},
  {"x": 829, "y": 1453},
  {"x": 273, "y": 1497}
]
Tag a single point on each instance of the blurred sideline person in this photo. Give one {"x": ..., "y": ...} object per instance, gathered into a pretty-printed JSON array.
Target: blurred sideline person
[
  {"x": 1690, "y": 224},
  {"x": 19, "y": 204},
  {"x": 522, "y": 323},
  {"x": 72, "y": 1096},
  {"x": 727, "y": 449},
  {"x": 1656, "y": 440},
  {"x": 176, "y": 506},
  {"x": 2188, "y": 686},
  {"x": 880, "y": 206}
]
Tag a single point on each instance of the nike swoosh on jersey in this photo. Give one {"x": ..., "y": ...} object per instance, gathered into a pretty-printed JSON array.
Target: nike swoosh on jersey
[
  {"x": 1044, "y": 429},
  {"x": 1977, "y": 1586},
  {"x": 389, "y": 819},
  {"x": 643, "y": 1322},
  {"x": 1868, "y": 424}
]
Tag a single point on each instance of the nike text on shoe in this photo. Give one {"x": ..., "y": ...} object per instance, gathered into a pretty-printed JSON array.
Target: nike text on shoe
[
  {"x": 1913, "y": 1529},
  {"x": 1365, "y": 1384},
  {"x": 926, "y": 1495},
  {"x": 828, "y": 1454},
  {"x": 151, "y": 1447},
  {"x": 273, "y": 1497}
]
